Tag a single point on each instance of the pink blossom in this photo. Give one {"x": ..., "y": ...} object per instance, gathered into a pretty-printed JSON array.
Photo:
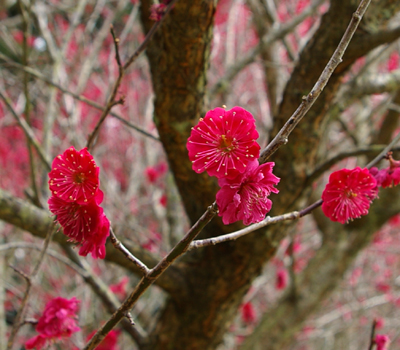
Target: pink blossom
[
  {"x": 78, "y": 220},
  {"x": 83, "y": 223},
  {"x": 348, "y": 194},
  {"x": 58, "y": 321},
  {"x": 157, "y": 11},
  {"x": 393, "y": 61},
  {"x": 390, "y": 176},
  {"x": 246, "y": 196},
  {"x": 120, "y": 288},
  {"x": 282, "y": 279},
  {"x": 95, "y": 243},
  {"x": 109, "y": 342},
  {"x": 382, "y": 341},
  {"x": 248, "y": 313},
  {"x": 223, "y": 142},
  {"x": 74, "y": 176}
]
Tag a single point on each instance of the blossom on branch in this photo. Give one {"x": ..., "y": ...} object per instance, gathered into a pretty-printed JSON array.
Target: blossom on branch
[
  {"x": 74, "y": 176},
  {"x": 76, "y": 202},
  {"x": 246, "y": 196},
  {"x": 348, "y": 194},
  {"x": 390, "y": 176},
  {"x": 224, "y": 142},
  {"x": 382, "y": 341},
  {"x": 58, "y": 321}
]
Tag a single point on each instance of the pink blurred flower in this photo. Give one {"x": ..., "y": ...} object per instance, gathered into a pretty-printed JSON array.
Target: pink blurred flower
[
  {"x": 58, "y": 321},
  {"x": 109, "y": 342},
  {"x": 393, "y": 61},
  {"x": 248, "y": 313},
  {"x": 157, "y": 11},
  {"x": 223, "y": 142},
  {"x": 246, "y": 196},
  {"x": 348, "y": 194},
  {"x": 382, "y": 341},
  {"x": 282, "y": 279},
  {"x": 390, "y": 176},
  {"x": 74, "y": 176},
  {"x": 120, "y": 288}
]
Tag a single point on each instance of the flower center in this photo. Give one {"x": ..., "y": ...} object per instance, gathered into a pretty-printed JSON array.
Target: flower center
[
  {"x": 79, "y": 178},
  {"x": 350, "y": 194},
  {"x": 226, "y": 144}
]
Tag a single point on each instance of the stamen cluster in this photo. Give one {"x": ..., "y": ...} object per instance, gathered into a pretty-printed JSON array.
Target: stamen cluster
[
  {"x": 224, "y": 145},
  {"x": 76, "y": 198}
]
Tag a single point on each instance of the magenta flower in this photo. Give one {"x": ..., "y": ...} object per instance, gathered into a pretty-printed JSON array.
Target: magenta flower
[
  {"x": 58, "y": 321},
  {"x": 83, "y": 223},
  {"x": 157, "y": 11},
  {"x": 224, "y": 142},
  {"x": 246, "y": 196},
  {"x": 95, "y": 243},
  {"x": 348, "y": 194},
  {"x": 78, "y": 220},
  {"x": 390, "y": 176},
  {"x": 74, "y": 176},
  {"x": 382, "y": 341},
  {"x": 282, "y": 279}
]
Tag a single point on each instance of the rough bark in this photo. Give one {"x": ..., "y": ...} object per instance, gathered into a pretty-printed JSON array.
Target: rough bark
[{"x": 219, "y": 276}]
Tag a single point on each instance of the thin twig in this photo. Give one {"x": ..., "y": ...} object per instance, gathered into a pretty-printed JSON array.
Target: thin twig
[
  {"x": 81, "y": 98},
  {"x": 149, "y": 36},
  {"x": 29, "y": 280},
  {"x": 27, "y": 130},
  {"x": 111, "y": 102},
  {"x": 107, "y": 297},
  {"x": 118, "y": 245},
  {"x": 372, "y": 336},
  {"x": 282, "y": 137},
  {"x": 274, "y": 35},
  {"x": 153, "y": 274},
  {"x": 336, "y": 159}
]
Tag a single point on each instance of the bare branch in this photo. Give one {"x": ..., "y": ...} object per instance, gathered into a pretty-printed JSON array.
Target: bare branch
[
  {"x": 118, "y": 245},
  {"x": 153, "y": 274},
  {"x": 282, "y": 137}
]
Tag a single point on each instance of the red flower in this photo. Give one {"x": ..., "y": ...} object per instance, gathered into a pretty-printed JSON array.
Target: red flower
[
  {"x": 95, "y": 243},
  {"x": 58, "y": 321},
  {"x": 282, "y": 278},
  {"x": 74, "y": 176},
  {"x": 248, "y": 312},
  {"x": 348, "y": 194},
  {"x": 224, "y": 142},
  {"x": 246, "y": 196},
  {"x": 83, "y": 223},
  {"x": 79, "y": 221},
  {"x": 382, "y": 341},
  {"x": 390, "y": 176}
]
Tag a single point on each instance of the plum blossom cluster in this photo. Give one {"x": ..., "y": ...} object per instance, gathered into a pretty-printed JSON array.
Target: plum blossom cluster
[
  {"x": 57, "y": 321},
  {"x": 76, "y": 198},
  {"x": 224, "y": 145}
]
